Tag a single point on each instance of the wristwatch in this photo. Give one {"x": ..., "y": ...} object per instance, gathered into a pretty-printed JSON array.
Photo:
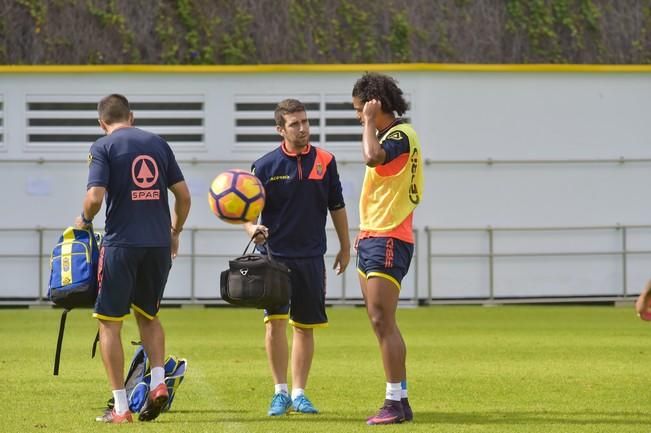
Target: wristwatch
[{"x": 84, "y": 220}]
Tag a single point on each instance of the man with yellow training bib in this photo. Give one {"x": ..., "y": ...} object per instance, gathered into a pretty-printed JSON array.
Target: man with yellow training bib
[{"x": 392, "y": 188}]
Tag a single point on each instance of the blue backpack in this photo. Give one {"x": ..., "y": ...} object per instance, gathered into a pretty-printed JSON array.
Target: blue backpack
[
  {"x": 73, "y": 276},
  {"x": 73, "y": 269},
  {"x": 139, "y": 377}
]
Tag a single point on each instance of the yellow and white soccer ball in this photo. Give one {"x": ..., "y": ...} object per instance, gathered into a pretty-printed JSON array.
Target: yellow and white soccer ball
[{"x": 236, "y": 196}]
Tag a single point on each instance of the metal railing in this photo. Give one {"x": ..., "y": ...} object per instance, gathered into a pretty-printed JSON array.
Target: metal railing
[
  {"x": 190, "y": 252},
  {"x": 491, "y": 254},
  {"x": 343, "y": 161}
]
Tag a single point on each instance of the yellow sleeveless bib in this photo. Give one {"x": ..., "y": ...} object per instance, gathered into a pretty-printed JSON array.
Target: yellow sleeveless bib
[{"x": 388, "y": 199}]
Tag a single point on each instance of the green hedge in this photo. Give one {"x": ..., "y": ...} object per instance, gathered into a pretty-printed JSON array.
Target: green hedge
[{"x": 324, "y": 31}]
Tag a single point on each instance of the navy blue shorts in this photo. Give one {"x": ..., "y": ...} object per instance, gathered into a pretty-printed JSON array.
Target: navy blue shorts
[
  {"x": 307, "y": 303},
  {"x": 384, "y": 257},
  {"x": 131, "y": 277}
]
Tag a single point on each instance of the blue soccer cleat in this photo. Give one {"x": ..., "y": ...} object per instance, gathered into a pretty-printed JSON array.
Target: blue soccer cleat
[
  {"x": 280, "y": 404},
  {"x": 302, "y": 404}
]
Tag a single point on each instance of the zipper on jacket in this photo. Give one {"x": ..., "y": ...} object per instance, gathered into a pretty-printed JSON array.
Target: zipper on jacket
[{"x": 300, "y": 168}]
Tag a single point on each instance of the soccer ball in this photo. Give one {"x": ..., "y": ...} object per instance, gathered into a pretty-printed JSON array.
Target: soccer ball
[{"x": 236, "y": 196}]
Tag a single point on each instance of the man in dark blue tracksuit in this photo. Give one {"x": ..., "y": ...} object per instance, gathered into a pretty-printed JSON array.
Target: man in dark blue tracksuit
[
  {"x": 301, "y": 184},
  {"x": 132, "y": 170}
]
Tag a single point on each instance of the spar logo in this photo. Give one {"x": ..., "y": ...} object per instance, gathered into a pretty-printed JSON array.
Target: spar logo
[{"x": 144, "y": 173}]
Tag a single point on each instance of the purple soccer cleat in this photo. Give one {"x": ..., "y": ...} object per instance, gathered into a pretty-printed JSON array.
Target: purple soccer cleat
[
  {"x": 390, "y": 413},
  {"x": 409, "y": 415}
]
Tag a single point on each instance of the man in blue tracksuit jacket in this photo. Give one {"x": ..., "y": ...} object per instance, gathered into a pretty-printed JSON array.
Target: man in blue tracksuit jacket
[{"x": 301, "y": 184}]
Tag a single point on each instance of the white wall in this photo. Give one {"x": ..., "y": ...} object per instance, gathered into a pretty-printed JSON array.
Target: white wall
[{"x": 460, "y": 117}]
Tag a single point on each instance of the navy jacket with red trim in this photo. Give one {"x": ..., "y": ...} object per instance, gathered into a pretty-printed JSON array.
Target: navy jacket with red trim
[{"x": 300, "y": 190}]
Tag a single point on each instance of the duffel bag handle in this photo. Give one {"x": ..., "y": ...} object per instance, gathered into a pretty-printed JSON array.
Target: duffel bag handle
[{"x": 256, "y": 233}]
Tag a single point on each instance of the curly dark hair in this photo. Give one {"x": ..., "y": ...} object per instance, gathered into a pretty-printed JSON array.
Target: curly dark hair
[{"x": 384, "y": 88}]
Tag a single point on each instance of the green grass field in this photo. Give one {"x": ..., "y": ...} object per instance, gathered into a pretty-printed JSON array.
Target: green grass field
[{"x": 471, "y": 369}]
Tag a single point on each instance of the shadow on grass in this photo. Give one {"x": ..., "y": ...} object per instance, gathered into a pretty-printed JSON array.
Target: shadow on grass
[
  {"x": 434, "y": 418},
  {"x": 534, "y": 417},
  {"x": 215, "y": 411},
  {"x": 281, "y": 420}
]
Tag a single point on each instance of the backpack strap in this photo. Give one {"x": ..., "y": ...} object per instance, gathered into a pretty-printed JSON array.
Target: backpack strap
[
  {"x": 94, "y": 349},
  {"x": 62, "y": 327}
]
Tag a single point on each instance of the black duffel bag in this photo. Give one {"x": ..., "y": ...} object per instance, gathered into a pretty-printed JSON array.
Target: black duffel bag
[{"x": 255, "y": 280}]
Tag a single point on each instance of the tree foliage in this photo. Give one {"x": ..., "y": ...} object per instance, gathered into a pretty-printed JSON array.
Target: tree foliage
[{"x": 324, "y": 31}]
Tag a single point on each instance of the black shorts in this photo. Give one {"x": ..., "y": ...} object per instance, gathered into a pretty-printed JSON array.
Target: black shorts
[
  {"x": 384, "y": 257},
  {"x": 307, "y": 303},
  {"x": 131, "y": 277}
]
